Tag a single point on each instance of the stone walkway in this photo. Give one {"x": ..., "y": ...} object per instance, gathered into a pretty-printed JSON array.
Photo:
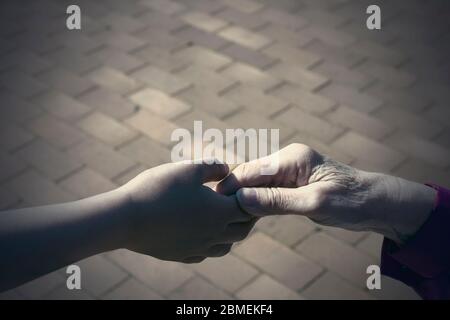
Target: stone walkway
[{"x": 81, "y": 113}]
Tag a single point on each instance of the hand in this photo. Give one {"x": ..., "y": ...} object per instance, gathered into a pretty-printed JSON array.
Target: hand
[
  {"x": 331, "y": 193},
  {"x": 173, "y": 216}
]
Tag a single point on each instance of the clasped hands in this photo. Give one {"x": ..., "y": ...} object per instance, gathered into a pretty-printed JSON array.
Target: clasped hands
[{"x": 172, "y": 215}]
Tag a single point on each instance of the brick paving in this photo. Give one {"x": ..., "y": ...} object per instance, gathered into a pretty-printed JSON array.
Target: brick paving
[{"x": 84, "y": 111}]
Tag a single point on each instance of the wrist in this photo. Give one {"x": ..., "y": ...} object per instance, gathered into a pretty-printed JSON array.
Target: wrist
[
  {"x": 114, "y": 226},
  {"x": 404, "y": 206}
]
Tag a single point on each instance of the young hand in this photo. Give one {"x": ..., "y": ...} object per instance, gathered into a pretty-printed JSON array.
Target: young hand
[{"x": 173, "y": 216}]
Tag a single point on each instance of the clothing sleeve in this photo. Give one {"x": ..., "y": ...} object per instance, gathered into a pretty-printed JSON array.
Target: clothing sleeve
[{"x": 424, "y": 261}]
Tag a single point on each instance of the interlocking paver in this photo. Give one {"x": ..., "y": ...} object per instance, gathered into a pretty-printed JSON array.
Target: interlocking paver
[
  {"x": 160, "y": 79},
  {"x": 62, "y": 105},
  {"x": 75, "y": 121},
  {"x": 229, "y": 273},
  {"x": 244, "y": 37},
  {"x": 291, "y": 269},
  {"x": 57, "y": 132},
  {"x": 310, "y": 102},
  {"x": 248, "y": 75},
  {"x": 328, "y": 252},
  {"x": 317, "y": 127},
  {"x": 360, "y": 122},
  {"x": 369, "y": 151},
  {"x": 106, "y": 129},
  {"x": 198, "y": 289},
  {"x": 113, "y": 80},
  {"x": 132, "y": 289},
  {"x": 94, "y": 153},
  {"x": 48, "y": 160},
  {"x": 266, "y": 288},
  {"x": 160, "y": 103},
  {"x": 163, "y": 277}
]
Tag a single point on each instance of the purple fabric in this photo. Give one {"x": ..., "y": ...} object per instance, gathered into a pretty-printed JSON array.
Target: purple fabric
[{"x": 424, "y": 261}]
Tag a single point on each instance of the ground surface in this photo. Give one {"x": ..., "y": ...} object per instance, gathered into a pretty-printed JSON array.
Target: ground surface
[{"x": 77, "y": 118}]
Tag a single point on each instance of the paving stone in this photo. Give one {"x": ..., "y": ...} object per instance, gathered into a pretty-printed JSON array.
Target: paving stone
[
  {"x": 336, "y": 55},
  {"x": 113, "y": 80},
  {"x": 37, "y": 190},
  {"x": 244, "y": 37},
  {"x": 422, "y": 172},
  {"x": 204, "y": 21},
  {"x": 101, "y": 158},
  {"x": 283, "y": 17},
  {"x": 328, "y": 252},
  {"x": 132, "y": 289},
  {"x": 161, "y": 276},
  {"x": 243, "y": 19},
  {"x": 351, "y": 97},
  {"x": 250, "y": 76},
  {"x": 38, "y": 288},
  {"x": 209, "y": 102},
  {"x": 265, "y": 288},
  {"x": 307, "y": 80},
  {"x": 108, "y": 102},
  {"x": 318, "y": 128},
  {"x": 286, "y": 38},
  {"x": 160, "y": 103},
  {"x": 86, "y": 183},
  {"x": 372, "y": 245},
  {"x": 390, "y": 76},
  {"x": 65, "y": 81},
  {"x": 408, "y": 121},
  {"x": 198, "y": 289},
  {"x": 48, "y": 160},
  {"x": 13, "y": 137},
  {"x": 292, "y": 55},
  {"x": 201, "y": 56},
  {"x": 205, "y": 79},
  {"x": 310, "y": 102},
  {"x": 247, "y": 6},
  {"x": 160, "y": 79},
  {"x": 331, "y": 287},
  {"x": 62, "y": 293},
  {"x": 62, "y": 105},
  {"x": 249, "y": 120},
  {"x": 201, "y": 38},
  {"x": 106, "y": 129},
  {"x": 283, "y": 264},
  {"x": 343, "y": 75},
  {"x": 21, "y": 84},
  {"x": 229, "y": 272},
  {"x": 153, "y": 126},
  {"x": 288, "y": 229},
  {"x": 362, "y": 123},
  {"x": 99, "y": 275},
  {"x": 56, "y": 132},
  {"x": 256, "y": 100},
  {"x": 252, "y": 57},
  {"x": 116, "y": 59},
  {"x": 10, "y": 165},
  {"x": 369, "y": 151},
  {"x": 420, "y": 148}
]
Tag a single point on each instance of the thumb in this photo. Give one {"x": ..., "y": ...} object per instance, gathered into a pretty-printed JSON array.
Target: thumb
[{"x": 272, "y": 201}]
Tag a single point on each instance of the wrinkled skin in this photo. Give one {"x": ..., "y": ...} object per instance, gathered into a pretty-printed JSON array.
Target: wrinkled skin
[{"x": 330, "y": 193}]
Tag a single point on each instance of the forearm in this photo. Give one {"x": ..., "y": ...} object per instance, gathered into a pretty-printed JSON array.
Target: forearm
[
  {"x": 399, "y": 206},
  {"x": 36, "y": 241}
]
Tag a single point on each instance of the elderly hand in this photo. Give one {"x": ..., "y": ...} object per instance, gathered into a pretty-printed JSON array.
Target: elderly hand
[{"x": 330, "y": 193}]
